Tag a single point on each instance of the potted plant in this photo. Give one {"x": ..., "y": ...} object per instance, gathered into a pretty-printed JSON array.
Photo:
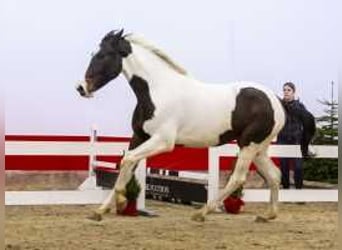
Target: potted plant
[
  {"x": 234, "y": 203},
  {"x": 132, "y": 193}
]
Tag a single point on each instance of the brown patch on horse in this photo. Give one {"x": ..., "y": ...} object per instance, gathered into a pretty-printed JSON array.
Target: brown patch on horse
[
  {"x": 252, "y": 118},
  {"x": 144, "y": 109}
]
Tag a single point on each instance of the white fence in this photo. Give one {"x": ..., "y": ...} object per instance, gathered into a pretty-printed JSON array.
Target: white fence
[
  {"x": 88, "y": 194},
  {"x": 307, "y": 195}
]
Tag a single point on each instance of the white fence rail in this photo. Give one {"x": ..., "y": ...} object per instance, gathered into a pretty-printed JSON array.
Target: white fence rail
[
  {"x": 274, "y": 151},
  {"x": 89, "y": 195}
]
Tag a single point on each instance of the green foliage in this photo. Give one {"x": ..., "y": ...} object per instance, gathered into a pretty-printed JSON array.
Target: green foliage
[
  {"x": 325, "y": 170},
  {"x": 132, "y": 189},
  {"x": 238, "y": 193},
  {"x": 328, "y": 124}
]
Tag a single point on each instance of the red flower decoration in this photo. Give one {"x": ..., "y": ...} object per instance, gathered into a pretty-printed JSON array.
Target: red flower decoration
[
  {"x": 130, "y": 209},
  {"x": 233, "y": 204}
]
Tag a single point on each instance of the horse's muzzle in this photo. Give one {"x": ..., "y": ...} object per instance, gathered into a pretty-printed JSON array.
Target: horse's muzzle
[{"x": 82, "y": 91}]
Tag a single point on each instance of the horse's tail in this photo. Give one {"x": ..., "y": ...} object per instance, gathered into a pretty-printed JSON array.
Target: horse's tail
[{"x": 309, "y": 128}]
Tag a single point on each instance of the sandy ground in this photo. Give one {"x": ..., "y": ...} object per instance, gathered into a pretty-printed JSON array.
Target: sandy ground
[
  {"x": 309, "y": 226},
  {"x": 299, "y": 226}
]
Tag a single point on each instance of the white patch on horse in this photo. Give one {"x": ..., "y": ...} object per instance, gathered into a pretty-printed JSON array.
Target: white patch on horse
[{"x": 139, "y": 40}]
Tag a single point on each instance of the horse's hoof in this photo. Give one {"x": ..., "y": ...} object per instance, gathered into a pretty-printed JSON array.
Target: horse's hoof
[
  {"x": 261, "y": 219},
  {"x": 271, "y": 217},
  {"x": 198, "y": 217},
  {"x": 106, "y": 211},
  {"x": 121, "y": 203},
  {"x": 120, "y": 207},
  {"x": 120, "y": 199},
  {"x": 95, "y": 216}
]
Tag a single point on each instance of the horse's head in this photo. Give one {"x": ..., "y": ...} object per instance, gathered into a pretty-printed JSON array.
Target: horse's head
[{"x": 106, "y": 64}]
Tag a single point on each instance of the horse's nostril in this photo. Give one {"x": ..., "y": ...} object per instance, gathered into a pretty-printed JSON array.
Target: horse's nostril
[{"x": 81, "y": 90}]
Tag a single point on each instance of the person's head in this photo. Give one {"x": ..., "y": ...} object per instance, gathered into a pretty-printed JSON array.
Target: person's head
[{"x": 289, "y": 91}]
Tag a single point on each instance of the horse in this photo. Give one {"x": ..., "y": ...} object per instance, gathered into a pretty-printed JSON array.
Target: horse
[{"x": 174, "y": 108}]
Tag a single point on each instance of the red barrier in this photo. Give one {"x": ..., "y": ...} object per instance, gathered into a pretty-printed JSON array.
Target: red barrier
[
  {"x": 181, "y": 159},
  {"x": 46, "y": 162}
]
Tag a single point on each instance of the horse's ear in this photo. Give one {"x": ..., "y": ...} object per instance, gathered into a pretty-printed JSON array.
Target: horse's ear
[
  {"x": 113, "y": 35},
  {"x": 120, "y": 33},
  {"x": 124, "y": 47}
]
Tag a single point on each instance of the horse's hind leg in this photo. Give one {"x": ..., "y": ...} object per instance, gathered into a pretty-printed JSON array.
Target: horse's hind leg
[
  {"x": 271, "y": 173},
  {"x": 237, "y": 179}
]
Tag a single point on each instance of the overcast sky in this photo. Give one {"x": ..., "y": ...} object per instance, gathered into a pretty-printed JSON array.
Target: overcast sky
[{"x": 46, "y": 46}]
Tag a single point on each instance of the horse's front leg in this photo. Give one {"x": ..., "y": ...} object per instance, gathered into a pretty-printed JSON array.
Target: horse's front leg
[
  {"x": 118, "y": 192},
  {"x": 127, "y": 167},
  {"x": 155, "y": 145}
]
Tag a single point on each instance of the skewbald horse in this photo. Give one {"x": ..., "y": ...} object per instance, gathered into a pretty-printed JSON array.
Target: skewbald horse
[{"x": 174, "y": 108}]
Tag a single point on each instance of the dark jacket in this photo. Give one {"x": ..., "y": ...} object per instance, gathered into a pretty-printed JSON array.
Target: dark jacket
[
  {"x": 292, "y": 131},
  {"x": 299, "y": 127}
]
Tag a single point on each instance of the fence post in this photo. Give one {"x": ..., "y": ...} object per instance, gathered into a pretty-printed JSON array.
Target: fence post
[
  {"x": 213, "y": 174},
  {"x": 92, "y": 151},
  {"x": 90, "y": 182},
  {"x": 140, "y": 174}
]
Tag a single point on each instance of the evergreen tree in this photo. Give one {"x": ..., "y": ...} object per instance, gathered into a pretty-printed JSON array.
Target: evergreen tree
[
  {"x": 328, "y": 124},
  {"x": 327, "y": 134}
]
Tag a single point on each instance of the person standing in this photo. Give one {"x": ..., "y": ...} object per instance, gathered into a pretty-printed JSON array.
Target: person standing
[{"x": 299, "y": 129}]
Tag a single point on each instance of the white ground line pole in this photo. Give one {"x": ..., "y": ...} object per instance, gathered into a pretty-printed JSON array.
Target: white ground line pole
[{"x": 74, "y": 197}]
